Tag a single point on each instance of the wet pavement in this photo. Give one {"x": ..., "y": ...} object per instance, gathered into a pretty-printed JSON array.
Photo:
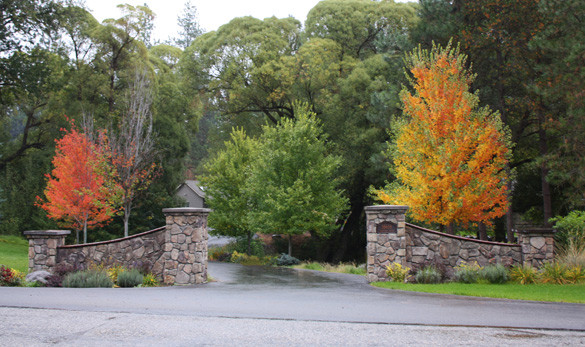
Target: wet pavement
[{"x": 300, "y": 306}]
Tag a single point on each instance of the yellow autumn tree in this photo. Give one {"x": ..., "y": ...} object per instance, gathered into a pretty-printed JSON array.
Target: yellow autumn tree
[{"x": 449, "y": 155}]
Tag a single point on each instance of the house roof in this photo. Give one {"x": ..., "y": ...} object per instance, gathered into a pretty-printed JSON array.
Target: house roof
[{"x": 194, "y": 186}]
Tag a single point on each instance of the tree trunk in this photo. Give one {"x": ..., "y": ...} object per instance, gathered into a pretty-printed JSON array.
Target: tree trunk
[
  {"x": 510, "y": 211},
  {"x": 249, "y": 252},
  {"x": 127, "y": 210},
  {"x": 85, "y": 230},
  {"x": 482, "y": 232},
  {"x": 543, "y": 146},
  {"x": 126, "y": 219},
  {"x": 290, "y": 245},
  {"x": 450, "y": 229},
  {"x": 345, "y": 233}
]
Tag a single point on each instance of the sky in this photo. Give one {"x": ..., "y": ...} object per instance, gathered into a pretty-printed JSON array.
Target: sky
[{"x": 212, "y": 13}]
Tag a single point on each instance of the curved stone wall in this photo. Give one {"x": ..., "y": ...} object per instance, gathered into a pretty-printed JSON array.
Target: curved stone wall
[
  {"x": 144, "y": 248},
  {"x": 426, "y": 246},
  {"x": 391, "y": 240},
  {"x": 175, "y": 253}
]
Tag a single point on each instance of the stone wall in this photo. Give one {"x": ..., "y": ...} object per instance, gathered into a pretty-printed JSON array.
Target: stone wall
[
  {"x": 42, "y": 248},
  {"x": 538, "y": 245},
  {"x": 176, "y": 253},
  {"x": 386, "y": 239},
  {"x": 186, "y": 238},
  {"x": 144, "y": 248},
  {"x": 426, "y": 246},
  {"x": 391, "y": 240}
]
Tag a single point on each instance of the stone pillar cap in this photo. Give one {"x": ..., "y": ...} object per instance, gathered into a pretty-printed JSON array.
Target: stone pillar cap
[
  {"x": 385, "y": 207},
  {"x": 181, "y": 210},
  {"x": 47, "y": 232}
]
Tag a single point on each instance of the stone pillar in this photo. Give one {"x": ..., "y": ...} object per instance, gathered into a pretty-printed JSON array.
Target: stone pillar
[
  {"x": 386, "y": 239},
  {"x": 185, "y": 250},
  {"x": 42, "y": 248},
  {"x": 538, "y": 245}
]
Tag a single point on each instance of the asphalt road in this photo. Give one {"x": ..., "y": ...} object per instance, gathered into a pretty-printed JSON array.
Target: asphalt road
[{"x": 275, "y": 306}]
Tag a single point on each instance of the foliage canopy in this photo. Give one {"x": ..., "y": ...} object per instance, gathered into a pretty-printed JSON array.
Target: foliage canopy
[{"x": 449, "y": 156}]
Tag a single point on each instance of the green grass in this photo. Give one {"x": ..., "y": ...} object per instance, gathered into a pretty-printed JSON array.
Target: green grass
[
  {"x": 574, "y": 293},
  {"x": 340, "y": 268},
  {"x": 14, "y": 252}
]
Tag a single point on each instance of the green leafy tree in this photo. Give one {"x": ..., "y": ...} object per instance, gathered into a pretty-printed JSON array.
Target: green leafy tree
[
  {"x": 225, "y": 185},
  {"x": 237, "y": 66},
  {"x": 252, "y": 71},
  {"x": 560, "y": 84},
  {"x": 189, "y": 23},
  {"x": 292, "y": 181},
  {"x": 356, "y": 24}
]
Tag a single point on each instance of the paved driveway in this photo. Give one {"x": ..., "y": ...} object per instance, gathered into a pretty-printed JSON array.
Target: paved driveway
[{"x": 256, "y": 305}]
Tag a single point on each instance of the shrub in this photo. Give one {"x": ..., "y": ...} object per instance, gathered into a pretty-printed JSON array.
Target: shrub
[
  {"x": 219, "y": 253},
  {"x": 495, "y": 274},
  {"x": 572, "y": 254},
  {"x": 287, "y": 260},
  {"x": 244, "y": 259},
  {"x": 435, "y": 263},
  {"x": 114, "y": 271},
  {"x": 570, "y": 228},
  {"x": 396, "y": 272},
  {"x": 88, "y": 279},
  {"x": 467, "y": 273},
  {"x": 130, "y": 278},
  {"x": 313, "y": 266},
  {"x": 10, "y": 277},
  {"x": 575, "y": 274},
  {"x": 241, "y": 246},
  {"x": 428, "y": 275},
  {"x": 144, "y": 267},
  {"x": 354, "y": 270},
  {"x": 149, "y": 281},
  {"x": 59, "y": 273},
  {"x": 554, "y": 273},
  {"x": 524, "y": 274}
]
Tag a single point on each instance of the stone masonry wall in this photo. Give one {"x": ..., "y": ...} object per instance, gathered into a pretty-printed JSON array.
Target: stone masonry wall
[
  {"x": 391, "y": 240},
  {"x": 176, "y": 253},
  {"x": 144, "y": 248},
  {"x": 386, "y": 239},
  {"x": 42, "y": 248},
  {"x": 185, "y": 259},
  {"x": 426, "y": 246},
  {"x": 538, "y": 246}
]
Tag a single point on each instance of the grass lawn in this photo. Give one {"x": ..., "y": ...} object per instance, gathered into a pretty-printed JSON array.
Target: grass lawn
[
  {"x": 14, "y": 252},
  {"x": 538, "y": 292}
]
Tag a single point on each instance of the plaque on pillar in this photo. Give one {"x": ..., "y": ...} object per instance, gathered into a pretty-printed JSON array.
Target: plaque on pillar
[{"x": 386, "y": 228}]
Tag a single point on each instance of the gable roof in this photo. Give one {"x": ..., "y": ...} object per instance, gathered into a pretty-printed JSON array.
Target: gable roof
[{"x": 194, "y": 186}]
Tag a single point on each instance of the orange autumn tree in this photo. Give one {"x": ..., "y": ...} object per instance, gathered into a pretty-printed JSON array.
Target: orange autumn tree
[
  {"x": 80, "y": 191},
  {"x": 449, "y": 155}
]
